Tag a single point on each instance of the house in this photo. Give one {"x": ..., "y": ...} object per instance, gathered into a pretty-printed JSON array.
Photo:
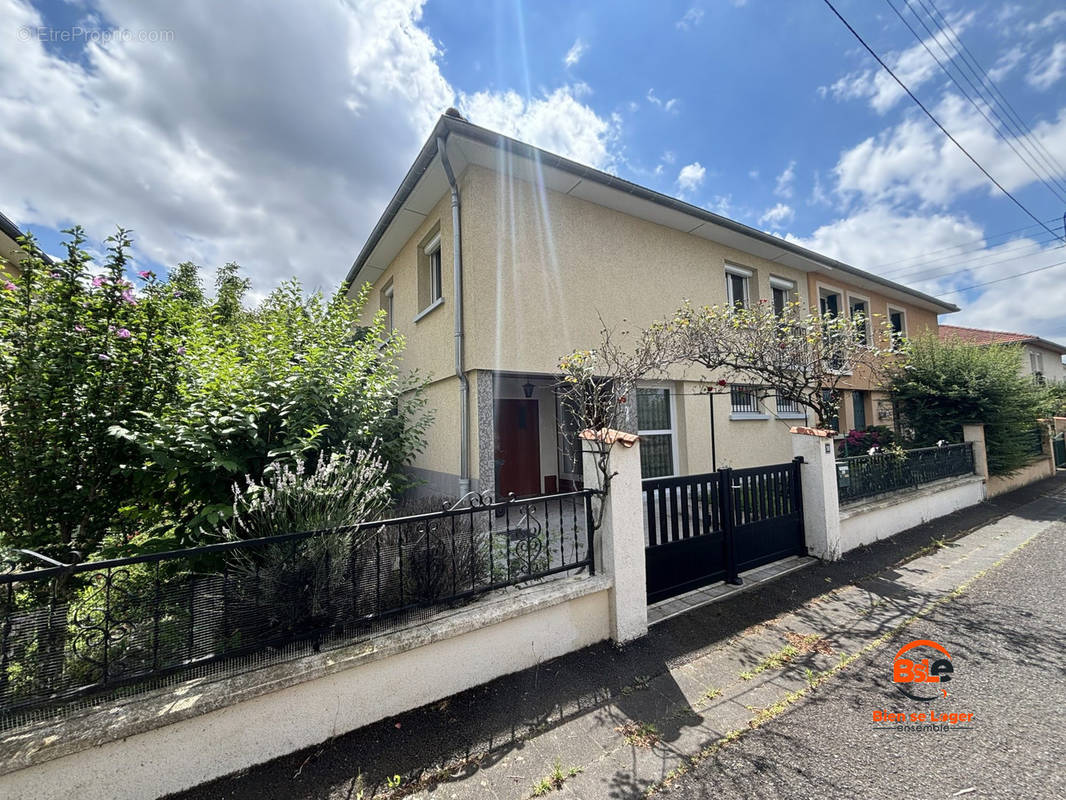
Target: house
[
  {"x": 495, "y": 258},
  {"x": 10, "y": 252},
  {"x": 1040, "y": 358}
]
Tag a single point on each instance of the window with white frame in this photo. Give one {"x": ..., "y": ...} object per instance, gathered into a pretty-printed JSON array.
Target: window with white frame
[
  {"x": 655, "y": 424},
  {"x": 783, "y": 292},
  {"x": 738, "y": 285},
  {"x": 897, "y": 321},
  {"x": 860, "y": 307},
  {"x": 829, "y": 302},
  {"x": 430, "y": 288},
  {"x": 744, "y": 399}
]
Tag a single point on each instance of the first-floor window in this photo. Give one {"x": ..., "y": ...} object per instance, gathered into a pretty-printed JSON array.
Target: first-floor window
[
  {"x": 737, "y": 286},
  {"x": 743, "y": 399},
  {"x": 655, "y": 424},
  {"x": 786, "y": 405}
]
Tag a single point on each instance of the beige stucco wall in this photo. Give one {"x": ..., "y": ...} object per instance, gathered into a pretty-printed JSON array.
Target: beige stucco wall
[
  {"x": 545, "y": 267},
  {"x": 544, "y": 271},
  {"x": 1054, "y": 370}
]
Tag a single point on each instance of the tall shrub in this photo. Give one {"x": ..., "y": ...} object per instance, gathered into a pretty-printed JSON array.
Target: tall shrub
[
  {"x": 946, "y": 384},
  {"x": 80, "y": 352}
]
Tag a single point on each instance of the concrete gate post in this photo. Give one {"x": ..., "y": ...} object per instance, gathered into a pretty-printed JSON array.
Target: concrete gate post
[
  {"x": 619, "y": 542},
  {"x": 818, "y": 482}
]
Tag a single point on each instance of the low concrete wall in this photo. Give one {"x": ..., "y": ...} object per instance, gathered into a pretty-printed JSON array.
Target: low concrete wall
[
  {"x": 1044, "y": 467},
  {"x": 876, "y": 518},
  {"x": 182, "y": 736}
]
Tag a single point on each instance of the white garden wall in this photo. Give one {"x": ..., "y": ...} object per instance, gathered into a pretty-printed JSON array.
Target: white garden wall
[
  {"x": 873, "y": 519},
  {"x": 182, "y": 736}
]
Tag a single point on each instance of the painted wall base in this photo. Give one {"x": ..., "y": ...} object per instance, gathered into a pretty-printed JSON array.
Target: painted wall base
[
  {"x": 1037, "y": 471},
  {"x": 165, "y": 743},
  {"x": 874, "y": 519}
]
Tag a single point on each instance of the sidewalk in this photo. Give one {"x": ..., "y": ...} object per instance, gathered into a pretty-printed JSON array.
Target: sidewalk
[{"x": 621, "y": 722}]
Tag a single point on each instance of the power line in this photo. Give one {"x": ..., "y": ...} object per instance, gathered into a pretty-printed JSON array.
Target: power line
[
  {"x": 949, "y": 259},
  {"x": 1025, "y": 138},
  {"x": 923, "y": 275},
  {"x": 929, "y": 114},
  {"x": 1054, "y": 189},
  {"x": 1001, "y": 280},
  {"x": 995, "y": 91},
  {"x": 975, "y": 247}
]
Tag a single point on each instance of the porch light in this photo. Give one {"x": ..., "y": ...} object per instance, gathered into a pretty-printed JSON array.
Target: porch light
[{"x": 527, "y": 388}]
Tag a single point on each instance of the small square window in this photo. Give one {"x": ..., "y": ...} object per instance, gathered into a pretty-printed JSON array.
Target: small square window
[
  {"x": 430, "y": 284},
  {"x": 743, "y": 399}
]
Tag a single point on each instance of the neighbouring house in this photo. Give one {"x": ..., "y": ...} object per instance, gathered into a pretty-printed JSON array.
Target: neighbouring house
[
  {"x": 10, "y": 252},
  {"x": 1040, "y": 358},
  {"x": 494, "y": 258}
]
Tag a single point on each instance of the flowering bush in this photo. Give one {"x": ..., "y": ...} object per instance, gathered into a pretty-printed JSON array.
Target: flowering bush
[
  {"x": 128, "y": 414},
  {"x": 873, "y": 438}
]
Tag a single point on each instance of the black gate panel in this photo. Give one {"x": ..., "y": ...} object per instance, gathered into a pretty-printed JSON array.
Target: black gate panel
[{"x": 701, "y": 529}]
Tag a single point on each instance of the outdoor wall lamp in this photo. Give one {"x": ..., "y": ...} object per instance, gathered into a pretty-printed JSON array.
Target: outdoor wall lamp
[{"x": 527, "y": 388}]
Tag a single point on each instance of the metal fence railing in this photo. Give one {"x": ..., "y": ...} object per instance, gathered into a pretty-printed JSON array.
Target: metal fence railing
[
  {"x": 859, "y": 477},
  {"x": 73, "y": 630},
  {"x": 1034, "y": 441}
]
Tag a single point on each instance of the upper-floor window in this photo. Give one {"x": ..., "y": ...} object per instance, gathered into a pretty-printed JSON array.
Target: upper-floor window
[
  {"x": 430, "y": 288},
  {"x": 859, "y": 307},
  {"x": 783, "y": 292},
  {"x": 1036, "y": 366},
  {"x": 386, "y": 305},
  {"x": 738, "y": 285},
  {"x": 655, "y": 424},
  {"x": 897, "y": 321},
  {"x": 829, "y": 302}
]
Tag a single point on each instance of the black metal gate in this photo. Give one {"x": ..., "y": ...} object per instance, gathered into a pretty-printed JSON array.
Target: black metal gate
[
  {"x": 1058, "y": 447},
  {"x": 700, "y": 529}
]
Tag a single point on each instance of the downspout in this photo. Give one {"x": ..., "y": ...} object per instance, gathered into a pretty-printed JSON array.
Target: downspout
[{"x": 457, "y": 282}]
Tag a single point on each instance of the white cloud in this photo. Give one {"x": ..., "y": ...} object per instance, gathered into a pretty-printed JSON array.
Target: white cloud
[
  {"x": 783, "y": 184},
  {"x": 280, "y": 162},
  {"x": 576, "y": 51},
  {"x": 665, "y": 105},
  {"x": 691, "y": 177},
  {"x": 1006, "y": 63},
  {"x": 778, "y": 216},
  {"x": 692, "y": 18},
  {"x": 557, "y": 122},
  {"x": 914, "y": 66},
  {"x": 753, "y": 174},
  {"x": 669, "y": 157},
  {"x": 1049, "y": 22},
  {"x": 1046, "y": 70},
  {"x": 915, "y": 161}
]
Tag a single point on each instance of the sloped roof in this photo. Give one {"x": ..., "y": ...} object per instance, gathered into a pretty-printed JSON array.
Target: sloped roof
[
  {"x": 425, "y": 184},
  {"x": 980, "y": 336}
]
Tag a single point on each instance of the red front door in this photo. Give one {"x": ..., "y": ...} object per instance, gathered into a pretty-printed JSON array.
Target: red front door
[{"x": 517, "y": 447}]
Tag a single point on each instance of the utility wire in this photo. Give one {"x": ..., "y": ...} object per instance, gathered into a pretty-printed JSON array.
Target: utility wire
[
  {"x": 995, "y": 91},
  {"x": 1001, "y": 280},
  {"x": 925, "y": 275},
  {"x": 929, "y": 114},
  {"x": 952, "y": 259},
  {"x": 1054, "y": 189},
  {"x": 1037, "y": 151},
  {"x": 975, "y": 247}
]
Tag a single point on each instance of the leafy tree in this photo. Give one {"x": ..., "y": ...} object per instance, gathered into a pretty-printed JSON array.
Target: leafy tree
[
  {"x": 946, "y": 384},
  {"x": 80, "y": 352}
]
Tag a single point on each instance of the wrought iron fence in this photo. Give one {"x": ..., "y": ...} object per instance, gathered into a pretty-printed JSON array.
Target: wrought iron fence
[
  {"x": 1034, "y": 441},
  {"x": 864, "y": 476},
  {"x": 73, "y": 630}
]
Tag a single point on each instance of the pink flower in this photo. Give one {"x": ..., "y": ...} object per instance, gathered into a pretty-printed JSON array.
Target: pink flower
[
  {"x": 103, "y": 356},
  {"x": 127, "y": 296},
  {"x": 122, "y": 333},
  {"x": 9, "y": 286},
  {"x": 98, "y": 281},
  {"x": 79, "y": 328},
  {"x": 146, "y": 274},
  {"x": 181, "y": 351}
]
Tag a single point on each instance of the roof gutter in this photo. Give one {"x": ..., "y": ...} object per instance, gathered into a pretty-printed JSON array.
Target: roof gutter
[{"x": 457, "y": 291}]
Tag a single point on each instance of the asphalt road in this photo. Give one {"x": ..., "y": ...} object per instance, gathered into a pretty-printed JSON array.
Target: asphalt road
[{"x": 1007, "y": 638}]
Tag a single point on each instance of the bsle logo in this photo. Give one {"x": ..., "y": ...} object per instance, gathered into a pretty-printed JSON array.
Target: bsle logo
[{"x": 916, "y": 677}]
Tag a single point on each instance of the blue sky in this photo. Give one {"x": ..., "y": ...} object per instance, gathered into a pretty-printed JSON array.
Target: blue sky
[{"x": 221, "y": 133}]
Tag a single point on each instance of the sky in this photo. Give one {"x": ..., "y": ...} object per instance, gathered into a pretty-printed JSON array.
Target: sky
[{"x": 274, "y": 135}]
